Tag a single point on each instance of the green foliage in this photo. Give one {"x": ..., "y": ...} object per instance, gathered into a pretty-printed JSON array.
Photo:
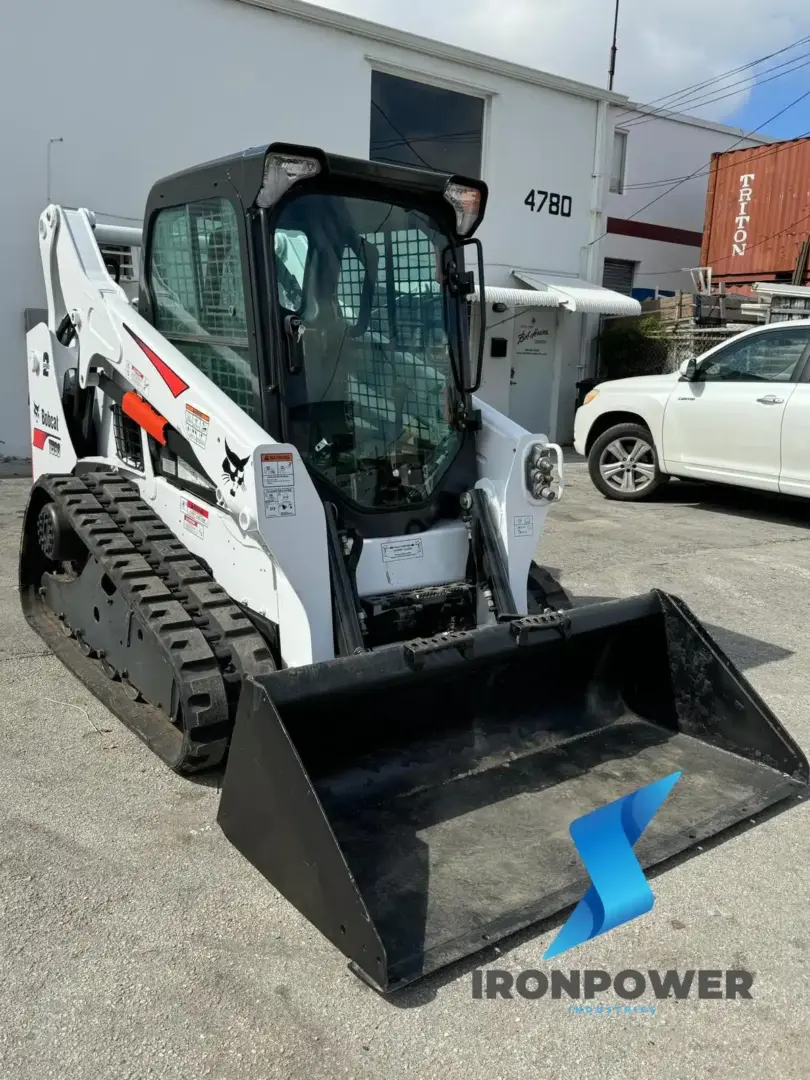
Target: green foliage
[{"x": 632, "y": 347}]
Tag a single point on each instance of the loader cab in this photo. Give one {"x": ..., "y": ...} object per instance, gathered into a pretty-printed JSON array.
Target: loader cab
[{"x": 328, "y": 297}]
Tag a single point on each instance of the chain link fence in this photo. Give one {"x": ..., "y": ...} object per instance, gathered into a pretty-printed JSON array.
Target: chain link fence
[
  {"x": 668, "y": 349},
  {"x": 647, "y": 346}
]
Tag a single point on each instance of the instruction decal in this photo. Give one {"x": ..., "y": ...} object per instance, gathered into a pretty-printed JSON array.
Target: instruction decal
[
  {"x": 399, "y": 550},
  {"x": 195, "y": 517},
  {"x": 197, "y": 424},
  {"x": 233, "y": 470},
  {"x": 279, "y": 502},
  {"x": 137, "y": 378},
  {"x": 524, "y": 525}
]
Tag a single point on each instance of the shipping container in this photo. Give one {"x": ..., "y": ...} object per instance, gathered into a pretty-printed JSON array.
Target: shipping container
[{"x": 758, "y": 213}]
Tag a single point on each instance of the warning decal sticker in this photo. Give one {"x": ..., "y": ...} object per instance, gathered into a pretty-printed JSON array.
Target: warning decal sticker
[
  {"x": 277, "y": 471},
  {"x": 137, "y": 378},
  {"x": 524, "y": 526},
  {"x": 197, "y": 424},
  {"x": 195, "y": 517},
  {"x": 278, "y": 485}
]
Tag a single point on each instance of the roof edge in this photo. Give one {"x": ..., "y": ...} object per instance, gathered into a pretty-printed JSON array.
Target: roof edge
[
  {"x": 653, "y": 113},
  {"x": 389, "y": 35}
]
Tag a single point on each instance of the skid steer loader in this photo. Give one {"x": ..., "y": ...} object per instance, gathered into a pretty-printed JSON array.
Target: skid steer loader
[{"x": 272, "y": 524}]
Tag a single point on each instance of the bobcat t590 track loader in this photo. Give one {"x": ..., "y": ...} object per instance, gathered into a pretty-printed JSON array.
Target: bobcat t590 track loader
[{"x": 271, "y": 524}]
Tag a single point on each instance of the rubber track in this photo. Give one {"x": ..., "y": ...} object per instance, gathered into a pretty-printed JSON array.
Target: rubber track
[
  {"x": 207, "y": 639},
  {"x": 239, "y": 648}
]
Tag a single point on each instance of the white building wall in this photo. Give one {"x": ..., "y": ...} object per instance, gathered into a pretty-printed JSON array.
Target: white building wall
[
  {"x": 136, "y": 91},
  {"x": 665, "y": 148}
]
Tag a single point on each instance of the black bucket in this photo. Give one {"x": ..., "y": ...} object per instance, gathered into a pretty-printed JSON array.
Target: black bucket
[{"x": 414, "y": 804}]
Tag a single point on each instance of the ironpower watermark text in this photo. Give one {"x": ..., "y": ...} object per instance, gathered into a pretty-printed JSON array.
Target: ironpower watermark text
[{"x": 702, "y": 983}]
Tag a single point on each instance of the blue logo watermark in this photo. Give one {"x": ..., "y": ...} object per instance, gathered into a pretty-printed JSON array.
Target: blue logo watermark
[{"x": 619, "y": 891}]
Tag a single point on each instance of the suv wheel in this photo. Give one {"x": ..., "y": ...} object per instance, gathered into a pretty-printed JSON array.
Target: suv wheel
[{"x": 623, "y": 463}]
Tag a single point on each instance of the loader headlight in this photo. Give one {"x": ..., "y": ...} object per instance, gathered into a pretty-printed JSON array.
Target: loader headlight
[
  {"x": 592, "y": 396},
  {"x": 281, "y": 171},
  {"x": 540, "y": 473},
  {"x": 466, "y": 201}
]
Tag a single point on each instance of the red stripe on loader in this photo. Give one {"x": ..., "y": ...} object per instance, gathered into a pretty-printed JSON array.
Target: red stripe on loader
[
  {"x": 172, "y": 380},
  {"x": 39, "y": 438}
]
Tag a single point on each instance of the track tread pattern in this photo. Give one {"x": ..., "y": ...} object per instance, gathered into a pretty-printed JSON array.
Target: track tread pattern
[{"x": 208, "y": 640}]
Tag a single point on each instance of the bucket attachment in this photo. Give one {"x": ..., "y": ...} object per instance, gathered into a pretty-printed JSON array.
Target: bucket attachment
[{"x": 414, "y": 802}]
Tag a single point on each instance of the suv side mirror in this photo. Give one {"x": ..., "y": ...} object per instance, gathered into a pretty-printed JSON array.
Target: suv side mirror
[{"x": 688, "y": 369}]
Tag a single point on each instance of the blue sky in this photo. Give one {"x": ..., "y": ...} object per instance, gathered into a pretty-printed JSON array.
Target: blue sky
[{"x": 767, "y": 100}]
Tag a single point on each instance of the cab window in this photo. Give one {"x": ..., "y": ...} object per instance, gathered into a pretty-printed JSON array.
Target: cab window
[{"x": 196, "y": 279}]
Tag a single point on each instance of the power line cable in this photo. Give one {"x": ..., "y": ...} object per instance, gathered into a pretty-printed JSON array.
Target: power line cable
[
  {"x": 386, "y": 145},
  {"x": 768, "y": 151},
  {"x": 702, "y": 103},
  {"x": 725, "y": 258},
  {"x": 707, "y": 164},
  {"x": 676, "y": 94},
  {"x": 402, "y": 136}
]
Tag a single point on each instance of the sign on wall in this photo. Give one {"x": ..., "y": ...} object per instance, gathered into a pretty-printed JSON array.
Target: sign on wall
[{"x": 532, "y": 335}]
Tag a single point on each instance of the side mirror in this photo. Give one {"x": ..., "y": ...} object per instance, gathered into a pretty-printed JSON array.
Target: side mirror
[{"x": 688, "y": 369}]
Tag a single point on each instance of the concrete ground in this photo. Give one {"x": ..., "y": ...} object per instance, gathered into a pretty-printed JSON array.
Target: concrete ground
[{"x": 137, "y": 943}]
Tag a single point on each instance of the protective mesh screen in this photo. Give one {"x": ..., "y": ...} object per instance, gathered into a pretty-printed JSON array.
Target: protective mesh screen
[
  {"x": 127, "y": 435},
  {"x": 400, "y": 365},
  {"x": 196, "y": 276}
]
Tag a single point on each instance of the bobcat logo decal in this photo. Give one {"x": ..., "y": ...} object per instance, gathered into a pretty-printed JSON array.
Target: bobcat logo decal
[{"x": 233, "y": 474}]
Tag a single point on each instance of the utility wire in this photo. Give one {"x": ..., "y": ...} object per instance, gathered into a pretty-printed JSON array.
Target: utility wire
[
  {"x": 702, "y": 103},
  {"x": 725, "y": 258},
  {"x": 404, "y": 138},
  {"x": 672, "y": 98},
  {"x": 456, "y": 137},
  {"x": 707, "y": 164},
  {"x": 767, "y": 152}
]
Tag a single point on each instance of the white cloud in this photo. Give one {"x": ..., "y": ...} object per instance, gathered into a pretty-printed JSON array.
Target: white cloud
[{"x": 662, "y": 47}]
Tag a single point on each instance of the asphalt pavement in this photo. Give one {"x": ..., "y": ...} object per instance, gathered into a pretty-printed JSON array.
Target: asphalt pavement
[{"x": 135, "y": 941}]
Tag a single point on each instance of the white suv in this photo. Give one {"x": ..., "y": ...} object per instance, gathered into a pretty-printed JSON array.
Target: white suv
[{"x": 739, "y": 414}]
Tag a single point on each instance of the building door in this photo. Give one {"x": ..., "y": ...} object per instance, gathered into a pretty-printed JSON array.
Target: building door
[{"x": 532, "y": 369}]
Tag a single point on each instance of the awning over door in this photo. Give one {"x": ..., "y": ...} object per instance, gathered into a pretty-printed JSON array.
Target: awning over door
[
  {"x": 518, "y": 298},
  {"x": 574, "y": 294}
]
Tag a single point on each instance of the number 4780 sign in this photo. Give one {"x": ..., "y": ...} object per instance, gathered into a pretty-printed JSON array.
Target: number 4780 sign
[{"x": 551, "y": 201}]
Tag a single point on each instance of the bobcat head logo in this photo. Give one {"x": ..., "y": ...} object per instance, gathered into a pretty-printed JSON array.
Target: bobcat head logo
[
  {"x": 36, "y": 412},
  {"x": 233, "y": 470}
]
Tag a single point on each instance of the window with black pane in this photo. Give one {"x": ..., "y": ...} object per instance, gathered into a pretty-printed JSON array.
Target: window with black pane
[{"x": 413, "y": 123}]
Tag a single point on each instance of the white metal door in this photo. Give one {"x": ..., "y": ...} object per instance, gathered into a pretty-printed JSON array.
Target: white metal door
[
  {"x": 532, "y": 371},
  {"x": 727, "y": 423}
]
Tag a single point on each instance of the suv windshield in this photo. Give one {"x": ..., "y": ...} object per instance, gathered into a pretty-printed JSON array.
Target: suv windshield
[{"x": 371, "y": 403}]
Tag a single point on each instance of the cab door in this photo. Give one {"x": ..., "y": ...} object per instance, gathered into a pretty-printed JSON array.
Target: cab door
[{"x": 726, "y": 423}]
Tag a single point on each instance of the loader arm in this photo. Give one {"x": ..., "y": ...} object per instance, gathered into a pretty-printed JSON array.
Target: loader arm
[{"x": 265, "y": 534}]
